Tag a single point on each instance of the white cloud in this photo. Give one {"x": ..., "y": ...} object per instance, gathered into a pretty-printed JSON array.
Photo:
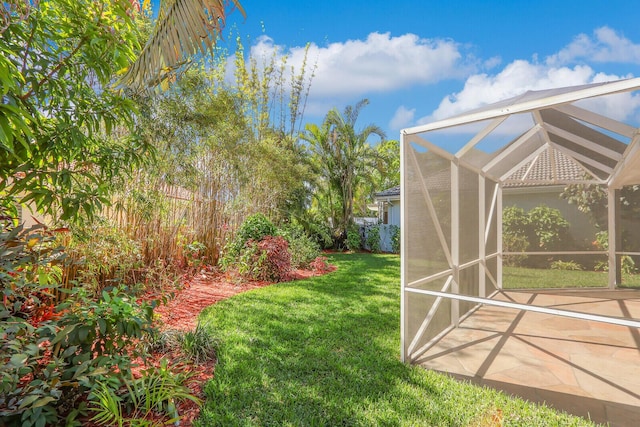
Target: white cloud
[
  {"x": 515, "y": 79},
  {"x": 606, "y": 45},
  {"x": 402, "y": 118},
  {"x": 383, "y": 63},
  {"x": 565, "y": 68},
  {"x": 380, "y": 63},
  {"x": 492, "y": 62},
  {"x": 621, "y": 106}
]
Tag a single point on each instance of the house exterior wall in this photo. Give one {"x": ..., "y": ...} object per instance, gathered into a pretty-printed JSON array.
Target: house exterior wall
[{"x": 393, "y": 217}]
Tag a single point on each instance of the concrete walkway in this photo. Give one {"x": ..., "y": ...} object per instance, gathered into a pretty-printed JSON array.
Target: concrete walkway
[{"x": 587, "y": 368}]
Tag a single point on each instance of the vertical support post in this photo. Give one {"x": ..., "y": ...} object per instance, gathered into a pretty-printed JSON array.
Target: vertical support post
[
  {"x": 614, "y": 233},
  {"x": 499, "y": 235},
  {"x": 403, "y": 248},
  {"x": 455, "y": 241},
  {"x": 482, "y": 244},
  {"x": 618, "y": 228}
]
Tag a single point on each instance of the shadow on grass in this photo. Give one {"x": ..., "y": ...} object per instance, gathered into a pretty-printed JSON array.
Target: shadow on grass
[
  {"x": 301, "y": 350},
  {"x": 325, "y": 351}
]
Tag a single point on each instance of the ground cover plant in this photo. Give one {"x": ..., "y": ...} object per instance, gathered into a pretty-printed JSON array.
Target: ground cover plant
[{"x": 325, "y": 351}]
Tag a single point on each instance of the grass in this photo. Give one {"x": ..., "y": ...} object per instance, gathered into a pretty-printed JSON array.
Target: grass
[
  {"x": 537, "y": 278},
  {"x": 325, "y": 352}
]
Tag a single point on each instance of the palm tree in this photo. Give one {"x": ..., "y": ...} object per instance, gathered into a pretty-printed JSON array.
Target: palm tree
[
  {"x": 343, "y": 157},
  {"x": 183, "y": 28},
  {"x": 323, "y": 163}
]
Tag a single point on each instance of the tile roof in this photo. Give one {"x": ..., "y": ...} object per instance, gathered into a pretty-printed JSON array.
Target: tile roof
[
  {"x": 535, "y": 173},
  {"x": 389, "y": 192},
  {"x": 540, "y": 169}
]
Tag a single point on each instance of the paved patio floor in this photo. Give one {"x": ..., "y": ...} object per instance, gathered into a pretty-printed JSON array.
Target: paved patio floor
[{"x": 587, "y": 368}]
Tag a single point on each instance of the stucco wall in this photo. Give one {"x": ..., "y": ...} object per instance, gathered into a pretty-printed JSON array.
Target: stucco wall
[
  {"x": 581, "y": 227},
  {"x": 394, "y": 213}
]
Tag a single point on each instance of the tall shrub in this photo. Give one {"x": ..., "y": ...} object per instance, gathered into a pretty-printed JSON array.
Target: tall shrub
[
  {"x": 254, "y": 228},
  {"x": 395, "y": 239},
  {"x": 541, "y": 229},
  {"x": 303, "y": 249},
  {"x": 273, "y": 258},
  {"x": 515, "y": 232},
  {"x": 354, "y": 239},
  {"x": 550, "y": 229},
  {"x": 373, "y": 238},
  {"x": 59, "y": 107}
]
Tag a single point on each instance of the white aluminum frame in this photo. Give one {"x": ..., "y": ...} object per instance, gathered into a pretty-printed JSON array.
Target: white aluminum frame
[{"x": 559, "y": 104}]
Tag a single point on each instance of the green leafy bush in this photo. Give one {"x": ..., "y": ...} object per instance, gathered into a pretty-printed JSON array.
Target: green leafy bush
[
  {"x": 549, "y": 227},
  {"x": 254, "y": 228},
  {"x": 54, "y": 354},
  {"x": 543, "y": 227},
  {"x": 303, "y": 249},
  {"x": 395, "y": 239},
  {"x": 320, "y": 232},
  {"x": 373, "y": 238},
  {"x": 103, "y": 255},
  {"x": 515, "y": 230},
  {"x": 628, "y": 265},
  {"x": 249, "y": 261},
  {"x": 354, "y": 240},
  {"x": 602, "y": 240},
  {"x": 194, "y": 254},
  {"x": 30, "y": 269},
  {"x": 49, "y": 367}
]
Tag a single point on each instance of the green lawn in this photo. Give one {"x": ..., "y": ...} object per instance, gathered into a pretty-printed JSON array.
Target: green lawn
[
  {"x": 325, "y": 351},
  {"x": 535, "y": 278}
]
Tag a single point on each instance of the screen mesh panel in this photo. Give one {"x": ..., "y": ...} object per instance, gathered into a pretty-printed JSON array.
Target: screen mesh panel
[
  {"x": 428, "y": 214},
  {"x": 520, "y": 194}
]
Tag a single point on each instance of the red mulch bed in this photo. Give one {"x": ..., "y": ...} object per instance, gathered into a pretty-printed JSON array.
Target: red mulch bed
[{"x": 181, "y": 313}]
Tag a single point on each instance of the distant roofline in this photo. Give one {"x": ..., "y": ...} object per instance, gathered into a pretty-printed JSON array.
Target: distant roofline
[{"x": 388, "y": 193}]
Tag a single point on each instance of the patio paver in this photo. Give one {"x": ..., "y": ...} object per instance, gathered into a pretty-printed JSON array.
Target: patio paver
[{"x": 587, "y": 368}]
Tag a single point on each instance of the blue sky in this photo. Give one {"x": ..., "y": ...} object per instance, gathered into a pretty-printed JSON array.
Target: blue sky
[{"x": 417, "y": 61}]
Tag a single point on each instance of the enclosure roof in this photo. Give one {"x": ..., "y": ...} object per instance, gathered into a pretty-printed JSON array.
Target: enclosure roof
[
  {"x": 559, "y": 134},
  {"x": 530, "y": 101}
]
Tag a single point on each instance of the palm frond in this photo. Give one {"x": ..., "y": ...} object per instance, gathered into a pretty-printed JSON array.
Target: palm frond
[{"x": 184, "y": 28}]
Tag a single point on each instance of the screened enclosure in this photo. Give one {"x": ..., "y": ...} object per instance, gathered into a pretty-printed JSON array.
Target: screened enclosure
[{"x": 537, "y": 191}]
